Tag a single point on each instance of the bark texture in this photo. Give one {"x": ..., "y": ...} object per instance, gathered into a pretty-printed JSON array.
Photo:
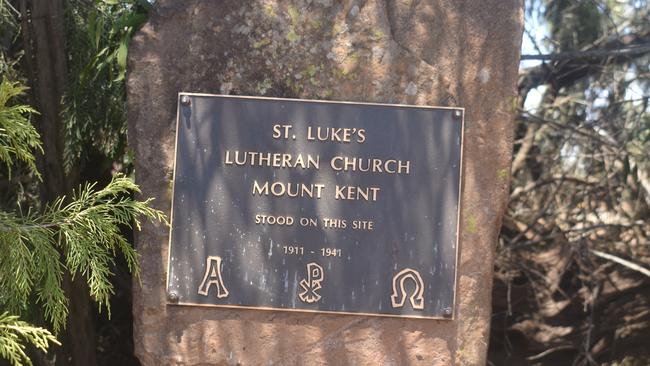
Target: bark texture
[{"x": 43, "y": 33}]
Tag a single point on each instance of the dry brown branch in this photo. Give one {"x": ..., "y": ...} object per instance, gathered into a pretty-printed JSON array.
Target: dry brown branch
[{"x": 621, "y": 261}]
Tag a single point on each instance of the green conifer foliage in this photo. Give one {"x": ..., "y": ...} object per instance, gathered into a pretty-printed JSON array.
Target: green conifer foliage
[
  {"x": 13, "y": 330},
  {"x": 18, "y": 138},
  {"x": 81, "y": 235}
]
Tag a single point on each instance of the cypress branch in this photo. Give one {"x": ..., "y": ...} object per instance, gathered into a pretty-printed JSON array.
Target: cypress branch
[
  {"x": 13, "y": 331},
  {"x": 81, "y": 235}
]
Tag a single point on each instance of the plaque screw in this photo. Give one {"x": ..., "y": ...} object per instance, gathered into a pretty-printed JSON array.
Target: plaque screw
[
  {"x": 447, "y": 312},
  {"x": 172, "y": 297},
  {"x": 458, "y": 113},
  {"x": 185, "y": 100}
]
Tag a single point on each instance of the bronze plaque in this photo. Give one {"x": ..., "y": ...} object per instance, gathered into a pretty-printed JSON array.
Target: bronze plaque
[{"x": 315, "y": 206}]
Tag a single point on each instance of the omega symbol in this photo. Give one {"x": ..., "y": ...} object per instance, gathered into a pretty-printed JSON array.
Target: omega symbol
[
  {"x": 311, "y": 285},
  {"x": 398, "y": 297},
  {"x": 213, "y": 277}
]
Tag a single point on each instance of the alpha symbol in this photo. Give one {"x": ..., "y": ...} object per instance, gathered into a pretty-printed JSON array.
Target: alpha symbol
[
  {"x": 311, "y": 285},
  {"x": 398, "y": 297},
  {"x": 213, "y": 277}
]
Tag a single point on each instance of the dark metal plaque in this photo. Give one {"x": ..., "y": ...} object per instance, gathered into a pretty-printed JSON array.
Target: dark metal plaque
[{"x": 316, "y": 206}]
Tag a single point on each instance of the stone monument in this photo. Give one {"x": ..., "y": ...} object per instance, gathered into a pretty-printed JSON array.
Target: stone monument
[{"x": 187, "y": 67}]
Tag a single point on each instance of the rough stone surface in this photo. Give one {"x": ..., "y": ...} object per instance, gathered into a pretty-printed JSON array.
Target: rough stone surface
[{"x": 429, "y": 52}]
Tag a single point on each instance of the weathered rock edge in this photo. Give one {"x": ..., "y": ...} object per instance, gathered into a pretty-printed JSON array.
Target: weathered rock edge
[{"x": 448, "y": 53}]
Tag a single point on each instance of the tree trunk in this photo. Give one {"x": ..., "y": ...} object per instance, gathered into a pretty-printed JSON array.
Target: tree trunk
[
  {"x": 44, "y": 38},
  {"x": 43, "y": 34}
]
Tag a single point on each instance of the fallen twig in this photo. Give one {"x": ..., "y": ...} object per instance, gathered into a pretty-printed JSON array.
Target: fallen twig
[{"x": 621, "y": 261}]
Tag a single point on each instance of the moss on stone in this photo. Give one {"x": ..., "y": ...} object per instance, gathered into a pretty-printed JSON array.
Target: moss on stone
[
  {"x": 292, "y": 36},
  {"x": 294, "y": 15},
  {"x": 377, "y": 34},
  {"x": 316, "y": 24},
  {"x": 311, "y": 70},
  {"x": 269, "y": 11},
  {"x": 261, "y": 43},
  {"x": 471, "y": 224}
]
